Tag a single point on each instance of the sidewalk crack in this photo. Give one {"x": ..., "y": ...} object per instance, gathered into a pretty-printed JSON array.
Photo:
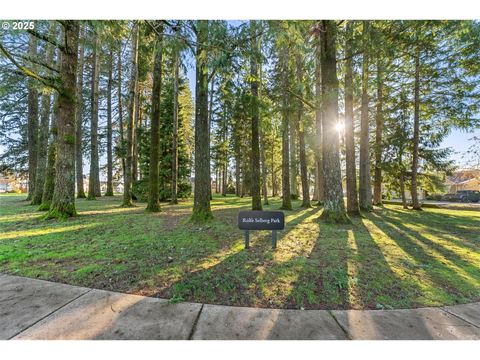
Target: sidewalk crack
[
  {"x": 340, "y": 325},
  {"x": 461, "y": 318},
  {"x": 50, "y": 313},
  {"x": 194, "y": 327}
]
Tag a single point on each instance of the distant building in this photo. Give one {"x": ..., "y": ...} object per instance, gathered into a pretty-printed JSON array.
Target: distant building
[
  {"x": 468, "y": 179},
  {"x": 10, "y": 183}
]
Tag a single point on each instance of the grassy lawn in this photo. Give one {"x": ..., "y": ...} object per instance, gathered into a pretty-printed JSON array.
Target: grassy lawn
[{"x": 391, "y": 258}]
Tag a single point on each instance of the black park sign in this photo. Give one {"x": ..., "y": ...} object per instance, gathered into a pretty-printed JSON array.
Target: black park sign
[{"x": 261, "y": 220}]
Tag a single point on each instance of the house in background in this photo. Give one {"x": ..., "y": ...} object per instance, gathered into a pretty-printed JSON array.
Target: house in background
[
  {"x": 468, "y": 179},
  {"x": 10, "y": 183}
]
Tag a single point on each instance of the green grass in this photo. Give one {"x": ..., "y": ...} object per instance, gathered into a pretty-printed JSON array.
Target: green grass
[{"x": 391, "y": 258}]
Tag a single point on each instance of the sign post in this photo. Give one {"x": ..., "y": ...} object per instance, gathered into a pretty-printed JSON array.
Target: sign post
[{"x": 261, "y": 220}]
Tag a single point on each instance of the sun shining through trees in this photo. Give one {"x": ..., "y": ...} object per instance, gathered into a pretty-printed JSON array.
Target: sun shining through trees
[{"x": 128, "y": 147}]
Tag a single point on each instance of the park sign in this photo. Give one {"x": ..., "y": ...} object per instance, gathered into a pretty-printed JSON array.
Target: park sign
[{"x": 261, "y": 220}]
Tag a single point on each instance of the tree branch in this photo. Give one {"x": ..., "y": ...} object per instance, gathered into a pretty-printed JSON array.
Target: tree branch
[
  {"x": 47, "y": 39},
  {"x": 47, "y": 81}
]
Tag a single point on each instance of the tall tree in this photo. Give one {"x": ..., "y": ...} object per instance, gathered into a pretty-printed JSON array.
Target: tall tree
[
  {"x": 94, "y": 178},
  {"x": 128, "y": 180},
  {"x": 49, "y": 184},
  {"x": 365, "y": 189},
  {"x": 32, "y": 129},
  {"x": 286, "y": 196},
  {"x": 176, "y": 66},
  {"x": 43, "y": 129},
  {"x": 351, "y": 172},
  {"x": 109, "y": 191},
  {"x": 334, "y": 208},
  {"x": 416, "y": 131},
  {"x": 255, "y": 189},
  {"x": 120, "y": 108},
  {"x": 377, "y": 180},
  {"x": 319, "y": 175},
  {"x": 301, "y": 135},
  {"x": 153, "y": 195},
  {"x": 79, "y": 116},
  {"x": 201, "y": 203},
  {"x": 63, "y": 201}
]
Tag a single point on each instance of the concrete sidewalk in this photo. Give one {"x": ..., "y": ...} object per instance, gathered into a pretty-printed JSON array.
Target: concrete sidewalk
[{"x": 37, "y": 309}]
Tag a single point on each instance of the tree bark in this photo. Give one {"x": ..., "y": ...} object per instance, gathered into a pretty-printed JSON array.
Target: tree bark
[
  {"x": 255, "y": 188},
  {"x": 120, "y": 108},
  {"x": 127, "y": 189},
  {"x": 201, "y": 204},
  {"x": 176, "y": 65},
  {"x": 49, "y": 184},
  {"x": 301, "y": 138},
  {"x": 109, "y": 191},
  {"x": 43, "y": 131},
  {"x": 94, "y": 177},
  {"x": 416, "y": 133},
  {"x": 154, "y": 188},
  {"x": 79, "y": 117},
  {"x": 351, "y": 172},
  {"x": 319, "y": 176},
  {"x": 32, "y": 127},
  {"x": 63, "y": 202},
  {"x": 365, "y": 190},
  {"x": 286, "y": 196},
  {"x": 334, "y": 208},
  {"x": 402, "y": 190},
  {"x": 135, "y": 141},
  {"x": 293, "y": 159},
  {"x": 377, "y": 180}
]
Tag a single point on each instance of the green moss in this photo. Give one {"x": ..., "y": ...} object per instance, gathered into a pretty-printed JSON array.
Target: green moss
[
  {"x": 69, "y": 139},
  {"x": 44, "y": 206},
  {"x": 335, "y": 217},
  {"x": 201, "y": 216}
]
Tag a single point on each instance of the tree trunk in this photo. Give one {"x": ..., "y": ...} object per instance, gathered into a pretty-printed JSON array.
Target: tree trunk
[
  {"x": 43, "y": 131},
  {"x": 416, "y": 133},
  {"x": 351, "y": 172},
  {"x": 201, "y": 204},
  {"x": 109, "y": 191},
  {"x": 79, "y": 117},
  {"x": 293, "y": 159},
  {"x": 286, "y": 196},
  {"x": 63, "y": 202},
  {"x": 127, "y": 189},
  {"x": 120, "y": 108},
  {"x": 154, "y": 195},
  {"x": 135, "y": 141},
  {"x": 365, "y": 190},
  {"x": 32, "y": 127},
  {"x": 210, "y": 113},
  {"x": 94, "y": 177},
  {"x": 402, "y": 190},
  {"x": 319, "y": 176},
  {"x": 255, "y": 164},
  {"x": 301, "y": 138},
  {"x": 49, "y": 184},
  {"x": 377, "y": 181},
  {"x": 176, "y": 65},
  {"x": 334, "y": 208}
]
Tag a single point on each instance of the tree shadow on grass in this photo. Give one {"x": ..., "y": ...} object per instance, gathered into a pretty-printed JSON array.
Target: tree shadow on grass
[
  {"x": 239, "y": 277},
  {"x": 443, "y": 225},
  {"x": 455, "y": 286},
  {"x": 347, "y": 269}
]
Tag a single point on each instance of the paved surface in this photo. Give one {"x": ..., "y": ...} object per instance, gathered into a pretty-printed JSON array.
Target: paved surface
[{"x": 37, "y": 309}]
